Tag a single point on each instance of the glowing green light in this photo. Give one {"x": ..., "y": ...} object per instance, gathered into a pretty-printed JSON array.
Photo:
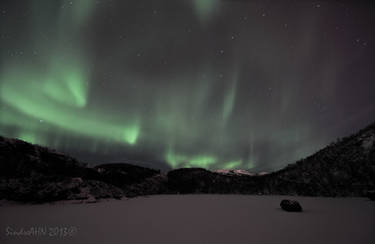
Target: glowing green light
[
  {"x": 10, "y": 118},
  {"x": 229, "y": 102},
  {"x": 131, "y": 134},
  {"x": 202, "y": 161},
  {"x": 175, "y": 160},
  {"x": 181, "y": 160},
  {"x": 77, "y": 87},
  {"x": 205, "y": 8},
  {"x": 55, "y": 96},
  {"x": 82, "y": 10},
  {"x": 250, "y": 165},
  {"x": 27, "y": 136},
  {"x": 233, "y": 164},
  {"x": 70, "y": 89},
  {"x": 25, "y": 94},
  {"x": 30, "y": 137},
  {"x": 52, "y": 93}
]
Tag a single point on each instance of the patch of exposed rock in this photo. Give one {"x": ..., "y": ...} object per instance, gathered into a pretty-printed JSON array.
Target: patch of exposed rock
[{"x": 290, "y": 206}]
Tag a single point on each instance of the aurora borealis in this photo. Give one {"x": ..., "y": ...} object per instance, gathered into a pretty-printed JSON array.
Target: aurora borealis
[{"x": 196, "y": 83}]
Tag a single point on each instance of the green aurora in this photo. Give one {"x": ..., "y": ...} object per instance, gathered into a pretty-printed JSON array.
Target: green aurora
[
  {"x": 56, "y": 97},
  {"x": 58, "y": 94},
  {"x": 202, "y": 83}
]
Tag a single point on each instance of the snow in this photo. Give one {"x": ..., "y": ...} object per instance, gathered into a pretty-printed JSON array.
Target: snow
[
  {"x": 234, "y": 172},
  {"x": 180, "y": 219},
  {"x": 238, "y": 172}
]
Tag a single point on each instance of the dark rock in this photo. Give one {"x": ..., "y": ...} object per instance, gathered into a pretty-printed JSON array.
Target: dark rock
[
  {"x": 157, "y": 184},
  {"x": 190, "y": 180},
  {"x": 123, "y": 174},
  {"x": 371, "y": 195},
  {"x": 290, "y": 206}
]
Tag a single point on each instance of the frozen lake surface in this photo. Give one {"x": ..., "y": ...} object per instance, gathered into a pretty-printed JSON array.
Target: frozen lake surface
[{"x": 191, "y": 219}]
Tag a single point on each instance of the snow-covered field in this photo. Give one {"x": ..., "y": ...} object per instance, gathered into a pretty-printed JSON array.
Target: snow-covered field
[{"x": 191, "y": 219}]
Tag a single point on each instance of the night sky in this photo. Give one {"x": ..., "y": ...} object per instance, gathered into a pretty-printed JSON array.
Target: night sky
[{"x": 198, "y": 83}]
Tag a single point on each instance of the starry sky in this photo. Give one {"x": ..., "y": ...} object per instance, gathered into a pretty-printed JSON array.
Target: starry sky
[{"x": 230, "y": 84}]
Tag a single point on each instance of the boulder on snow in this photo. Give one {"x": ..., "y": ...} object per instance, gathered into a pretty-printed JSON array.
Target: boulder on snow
[
  {"x": 290, "y": 206},
  {"x": 371, "y": 195}
]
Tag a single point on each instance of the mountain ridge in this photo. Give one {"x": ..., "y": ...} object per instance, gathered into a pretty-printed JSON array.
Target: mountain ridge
[{"x": 33, "y": 173}]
